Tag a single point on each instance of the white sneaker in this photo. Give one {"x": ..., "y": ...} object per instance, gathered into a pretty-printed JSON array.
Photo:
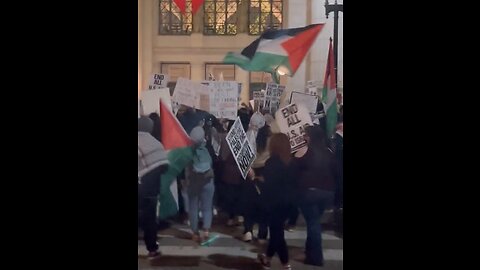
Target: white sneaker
[
  {"x": 247, "y": 237},
  {"x": 215, "y": 211}
]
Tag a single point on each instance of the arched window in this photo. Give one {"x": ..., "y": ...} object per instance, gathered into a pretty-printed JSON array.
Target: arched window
[
  {"x": 172, "y": 21},
  {"x": 220, "y": 17},
  {"x": 264, "y": 15}
]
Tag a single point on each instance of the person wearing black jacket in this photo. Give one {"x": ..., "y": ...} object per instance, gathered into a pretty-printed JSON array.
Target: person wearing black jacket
[
  {"x": 316, "y": 173},
  {"x": 277, "y": 175}
]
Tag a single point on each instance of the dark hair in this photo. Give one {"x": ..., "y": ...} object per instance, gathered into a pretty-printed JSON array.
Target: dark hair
[
  {"x": 280, "y": 147},
  {"x": 262, "y": 138},
  {"x": 157, "y": 129},
  {"x": 321, "y": 156},
  {"x": 244, "y": 118}
]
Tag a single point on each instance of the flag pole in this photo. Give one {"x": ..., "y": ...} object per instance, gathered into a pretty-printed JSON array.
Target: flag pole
[{"x": 335, "y": 8}]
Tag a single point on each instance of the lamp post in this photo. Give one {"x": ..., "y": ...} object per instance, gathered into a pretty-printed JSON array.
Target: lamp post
[{"x": 335, "y": 8}]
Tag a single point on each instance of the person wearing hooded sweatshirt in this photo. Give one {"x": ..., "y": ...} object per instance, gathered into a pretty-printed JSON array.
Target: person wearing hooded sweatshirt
[
  {"x": 152, "y": 162},
  {"x": 200, "y": 185}
]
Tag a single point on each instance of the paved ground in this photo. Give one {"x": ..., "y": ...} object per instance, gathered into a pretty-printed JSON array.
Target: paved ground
[{"x": 229, "y": 252}]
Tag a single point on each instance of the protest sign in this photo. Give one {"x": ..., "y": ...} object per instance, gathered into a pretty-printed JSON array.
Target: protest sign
[
  {"x": 258, "y": 100},
  {"x": 158, "y": 81},
  {"x": 240, "y": 147},
  {"x": 310, "y": 101},
  {"x": 150, "y": 100},
  {"x": 292, "y": 120},
  {"x": 272, "y": 97},
  {"x": 184, "y": 92},
  {"x": 223, "y": 98},
  {"x": 202, "y": 101},
  {"x": 312, "y": 87}
]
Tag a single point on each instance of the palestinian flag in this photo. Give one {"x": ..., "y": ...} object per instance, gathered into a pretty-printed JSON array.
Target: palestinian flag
[
  {"x": 329, "y": 94},
  {"x": 281, "y": 50},
  {"x": 182, "y": 5},
  {"x": 175, "y": 139}
]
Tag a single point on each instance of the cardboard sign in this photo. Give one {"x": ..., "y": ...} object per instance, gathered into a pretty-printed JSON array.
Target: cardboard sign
[
  {"x": 240, "y": 147},
  {"x": 223, "y": 99},
  {"x": 202, "y": 101},
  {"x": 309, "y": 101},
  {"x": 158, "y": 81},
  {"x": 185, "y": 92},
  {"x": 272, "y": 97},
  {"x": 312, "y": 87},
  {"x": 150, "y": 100},
  {"x": 258, "y": 100},
  {"x": 292, "y": 120}
]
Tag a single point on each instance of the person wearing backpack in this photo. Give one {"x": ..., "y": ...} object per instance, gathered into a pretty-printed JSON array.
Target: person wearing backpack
[{"x": 200, "y": 186}]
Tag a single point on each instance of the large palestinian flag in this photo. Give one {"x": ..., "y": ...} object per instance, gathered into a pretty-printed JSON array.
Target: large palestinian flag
[{"x": 276, "y": 49}]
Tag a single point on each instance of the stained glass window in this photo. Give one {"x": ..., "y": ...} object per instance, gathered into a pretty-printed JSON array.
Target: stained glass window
[
  {"x": 264, "y": 15},
  {"x": 220, "y": 17},
  {"x": 172, "y": 21}
]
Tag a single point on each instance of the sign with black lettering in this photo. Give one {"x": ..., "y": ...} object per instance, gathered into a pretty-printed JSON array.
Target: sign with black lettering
[
  {"x": 240, "y": 147},
  {"x": 292, "y": 120},
  {"x": 158, "y": 81},
  {"x": 272, "y": 97},
  {"x": 258, "y": 100},
  {"x": 223, "y": 98}
]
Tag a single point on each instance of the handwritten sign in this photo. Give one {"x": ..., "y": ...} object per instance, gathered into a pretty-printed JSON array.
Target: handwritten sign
[
  {"x": 150, "y": 100},
  {"x": 223, "y": 98},
  {"x": 184, "y": 92},
  {"x": 310, "y": 101}
]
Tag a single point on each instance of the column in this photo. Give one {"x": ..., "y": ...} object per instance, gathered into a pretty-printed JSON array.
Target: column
[{"x": 147, "y": 40}]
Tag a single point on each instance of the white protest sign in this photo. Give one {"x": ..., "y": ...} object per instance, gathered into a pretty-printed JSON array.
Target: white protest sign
[
  {"x": 259, "y": 100},
  {"x": 312, "y": 87},
  {"x": 240, "y": 147},
  {"x": 292, "y": 120},
  {"x": 151, "y": 100},
  {"x": 184, "y": 92},
  {"x": 310, "y": 101},
  {"x": 203, "y": 97},
  {"x": 272, "y": 97},
  {"x": 158, "y": 81},
  {"x": 223, "y": 99}
]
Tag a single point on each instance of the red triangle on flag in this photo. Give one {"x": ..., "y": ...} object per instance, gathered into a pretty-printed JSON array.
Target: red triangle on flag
[
  {"x": 298, "y": 46},
  {"x": 196, "y": 4},
  {"x": 173, "y": 135},
  {"x": 181, "y": 5}
]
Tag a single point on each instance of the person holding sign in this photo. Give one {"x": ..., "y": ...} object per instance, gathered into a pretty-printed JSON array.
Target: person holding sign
[
  {"x": 257, "y": 135},
  {"x": 277, "y": 175},
  {"x": 316, "y": 173}
]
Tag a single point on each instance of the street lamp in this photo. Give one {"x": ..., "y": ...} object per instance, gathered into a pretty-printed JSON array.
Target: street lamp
[{"x": 335, "y": 8}]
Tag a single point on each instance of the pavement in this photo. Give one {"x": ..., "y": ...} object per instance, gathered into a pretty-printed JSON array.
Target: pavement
[{"x": 230, "y": 252}]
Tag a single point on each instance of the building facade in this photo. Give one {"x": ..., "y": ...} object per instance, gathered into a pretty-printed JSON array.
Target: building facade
[{"x": 183, "y": 45}]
